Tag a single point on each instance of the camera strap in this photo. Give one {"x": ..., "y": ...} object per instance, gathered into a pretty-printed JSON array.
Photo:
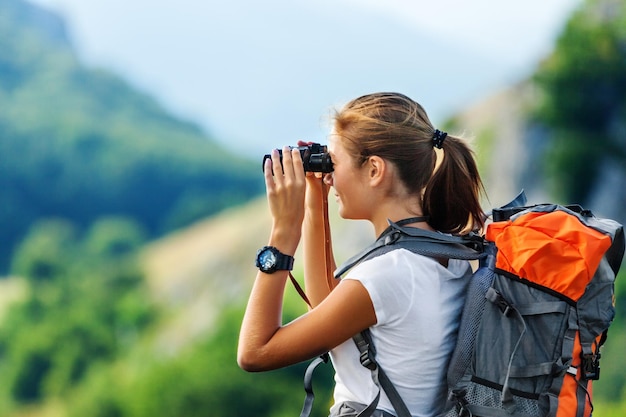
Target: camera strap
[{"x": 327, "y": 252}]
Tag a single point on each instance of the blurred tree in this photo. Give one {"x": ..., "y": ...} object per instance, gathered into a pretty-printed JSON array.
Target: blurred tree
[
  {"x": 114, "y": 237},
  {"x": 584, "y": 98},
  {"x": 46, "y": 251}
]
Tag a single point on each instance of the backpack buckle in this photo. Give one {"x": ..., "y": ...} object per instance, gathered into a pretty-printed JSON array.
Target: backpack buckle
[
  {"x": 590, "y": 367},
  {"x": 496, "y": 298},
  {"x": 462, "y": 405},
  {"x": 367, "y": 360},
  {"x": 392, "y": 237}
]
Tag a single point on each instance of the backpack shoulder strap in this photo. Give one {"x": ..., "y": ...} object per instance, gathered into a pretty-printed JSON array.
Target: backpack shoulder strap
[
  {"x": 367, "y": 352},
  {"x": 421, "y": 241}
]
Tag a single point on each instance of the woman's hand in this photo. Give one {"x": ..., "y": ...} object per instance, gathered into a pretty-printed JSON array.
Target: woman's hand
[{"x": 285, "y": 185}]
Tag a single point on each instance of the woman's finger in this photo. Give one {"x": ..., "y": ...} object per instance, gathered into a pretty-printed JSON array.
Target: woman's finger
[
  {"x": 277, "y": 167},
  {"x": 267, "y": 172},
  {"x": 298, "y": 166},
  {"x": 288, "y": 170}
]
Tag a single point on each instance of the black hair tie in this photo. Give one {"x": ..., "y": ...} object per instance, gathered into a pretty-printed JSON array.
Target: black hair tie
[{"x": 438, "y": 138}]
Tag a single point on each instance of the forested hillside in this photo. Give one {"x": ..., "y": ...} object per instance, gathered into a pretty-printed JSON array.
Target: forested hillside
[{"x": 79, "y": 143}]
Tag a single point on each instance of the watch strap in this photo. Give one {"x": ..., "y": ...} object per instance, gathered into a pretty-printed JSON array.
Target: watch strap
[{"x": 283, "y": 262}]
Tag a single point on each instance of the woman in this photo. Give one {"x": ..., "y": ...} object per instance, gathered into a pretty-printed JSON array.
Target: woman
[{"x": 389, "y": 164}]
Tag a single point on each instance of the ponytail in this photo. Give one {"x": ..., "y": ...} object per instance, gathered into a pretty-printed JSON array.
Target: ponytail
[{"x": 452, "y": 196}]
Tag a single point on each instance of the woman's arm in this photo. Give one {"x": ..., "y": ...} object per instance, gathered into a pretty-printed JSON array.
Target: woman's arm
[
  {"x": 264, "y": 343},
  {"x": 318, "y": 264}
]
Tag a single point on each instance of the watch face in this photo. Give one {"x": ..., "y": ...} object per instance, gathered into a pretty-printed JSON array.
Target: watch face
[{"x": 267, "y": 259}]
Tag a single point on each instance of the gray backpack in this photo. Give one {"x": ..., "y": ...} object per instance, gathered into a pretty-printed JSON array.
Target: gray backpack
[{"x": 536, "y": 314}]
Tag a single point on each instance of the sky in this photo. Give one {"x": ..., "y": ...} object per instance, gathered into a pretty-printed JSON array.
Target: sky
[{"x": 258, "y": 75}]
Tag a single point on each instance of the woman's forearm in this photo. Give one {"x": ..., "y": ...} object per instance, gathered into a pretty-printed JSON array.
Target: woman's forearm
[
  {"x": 319, "y": 262},
  {"x": 263, "y": 317}
]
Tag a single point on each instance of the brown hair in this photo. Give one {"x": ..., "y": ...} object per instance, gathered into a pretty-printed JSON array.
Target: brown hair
[{"x": 397, "y": 129}]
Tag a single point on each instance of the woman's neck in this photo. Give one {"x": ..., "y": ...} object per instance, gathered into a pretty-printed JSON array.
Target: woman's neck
[{"x": 380, "y": 220}]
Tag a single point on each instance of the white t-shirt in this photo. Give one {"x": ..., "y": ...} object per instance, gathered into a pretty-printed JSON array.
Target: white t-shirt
[{"x": 418, "y": 304}]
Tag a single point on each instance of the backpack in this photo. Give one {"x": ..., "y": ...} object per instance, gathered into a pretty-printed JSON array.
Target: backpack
[
  {"x": 537, "y": 311},
  {"x": 536, "y": 314}
]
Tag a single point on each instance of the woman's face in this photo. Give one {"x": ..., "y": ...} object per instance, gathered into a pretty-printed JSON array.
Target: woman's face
[{"x": 348, "y": 181}]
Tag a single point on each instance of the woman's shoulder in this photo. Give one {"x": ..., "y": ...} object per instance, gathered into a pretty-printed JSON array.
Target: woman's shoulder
[
  {"x": 397, "y": 261},
  {"x": 406, "y": 263}
]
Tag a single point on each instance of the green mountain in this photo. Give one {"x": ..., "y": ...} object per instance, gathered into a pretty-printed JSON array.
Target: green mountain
[{"x": 80, "y": 143}]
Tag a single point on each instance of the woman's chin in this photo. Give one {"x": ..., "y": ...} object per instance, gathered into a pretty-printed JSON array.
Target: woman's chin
[
  {"x": 344, "y": 214},
  {"x": 340, "y": 210}
]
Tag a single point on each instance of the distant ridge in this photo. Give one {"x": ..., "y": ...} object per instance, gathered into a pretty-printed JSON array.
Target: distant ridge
[{"x": 47, "y": 24}]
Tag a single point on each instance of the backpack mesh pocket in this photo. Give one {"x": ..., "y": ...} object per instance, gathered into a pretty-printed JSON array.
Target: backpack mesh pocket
[
  {"x": 491, "y": 397},
  {"x": 521, "y": 337}
]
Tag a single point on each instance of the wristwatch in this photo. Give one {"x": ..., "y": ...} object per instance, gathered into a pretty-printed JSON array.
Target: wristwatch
[{"x": 269, "y": 260}]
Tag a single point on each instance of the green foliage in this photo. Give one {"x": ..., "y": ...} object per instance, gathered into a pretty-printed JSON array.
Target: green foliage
[
  {"x": 611, "y": 387},
  {"x": 82, "y": 338},
  {"x": 584, "y": 98},
  {"x": 202, "y": 381},
  {"x": 609, "y": 409},
  {"x": 46, "y": 251},
  {"x": 86, "y": 305},
  {"x": 114, "y": 237}
]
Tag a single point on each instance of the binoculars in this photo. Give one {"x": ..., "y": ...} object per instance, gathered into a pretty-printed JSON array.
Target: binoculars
[{"x": 315, "y": 158}]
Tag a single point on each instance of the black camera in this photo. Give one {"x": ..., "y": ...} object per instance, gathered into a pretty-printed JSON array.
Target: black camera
[{"x": 315, "y": 158}]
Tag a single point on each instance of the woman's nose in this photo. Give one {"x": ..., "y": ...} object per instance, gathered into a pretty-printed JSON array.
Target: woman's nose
[{"x": 328, "y": 178}]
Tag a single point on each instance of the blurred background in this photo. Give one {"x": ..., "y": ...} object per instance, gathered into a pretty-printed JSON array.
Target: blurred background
[{"x": 131, "y": 194}]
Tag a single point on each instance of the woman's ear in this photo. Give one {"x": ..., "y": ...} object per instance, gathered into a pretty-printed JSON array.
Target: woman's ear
[{"x": 376, "y": 169}]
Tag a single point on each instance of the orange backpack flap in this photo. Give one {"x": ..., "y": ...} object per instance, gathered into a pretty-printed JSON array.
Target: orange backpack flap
[{"x": 553, "y": 249}]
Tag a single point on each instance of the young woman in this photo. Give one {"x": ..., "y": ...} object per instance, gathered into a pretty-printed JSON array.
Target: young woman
[{"x": 389, "y": 164}]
